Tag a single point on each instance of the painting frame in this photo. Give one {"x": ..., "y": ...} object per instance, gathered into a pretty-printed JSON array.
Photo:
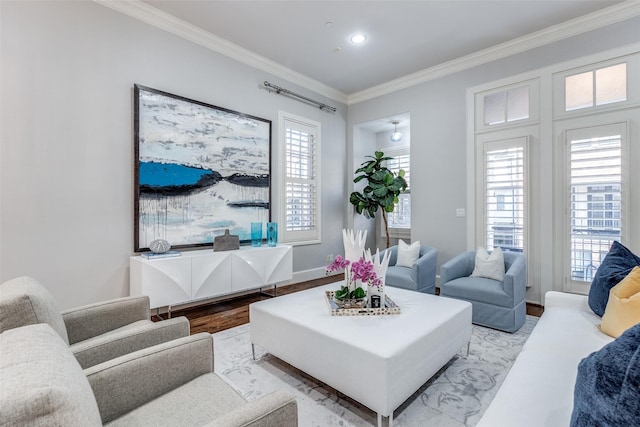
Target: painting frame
[{"x": 199, "y": 169}]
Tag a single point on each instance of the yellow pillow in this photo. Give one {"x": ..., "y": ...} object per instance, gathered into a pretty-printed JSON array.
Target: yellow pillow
[{"x": 623, "y": 307}]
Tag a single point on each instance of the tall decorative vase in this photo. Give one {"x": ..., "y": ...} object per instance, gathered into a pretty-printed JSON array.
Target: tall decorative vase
[
  {"x": 272, "y": 233},
  {"x": 256, "y": 234},
  {"x": 353, "y": 251}
]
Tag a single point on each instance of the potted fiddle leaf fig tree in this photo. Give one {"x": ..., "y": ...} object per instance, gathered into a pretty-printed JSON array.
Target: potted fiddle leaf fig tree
[{"x": 381, "y": 191}]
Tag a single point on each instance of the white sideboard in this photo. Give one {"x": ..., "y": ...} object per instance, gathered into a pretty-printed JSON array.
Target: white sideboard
[{"x": 206, "y": 274}]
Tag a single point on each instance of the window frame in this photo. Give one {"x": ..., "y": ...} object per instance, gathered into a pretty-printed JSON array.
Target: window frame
[
  {"x": 633, "y": 87},
  {"x": 397, "y": 232},
  {"x": 599, "y": 124},
  {"x": 302, "y": 237},
  {"x": 534, "y": 101},
  {"x": 490, "y": 142}
]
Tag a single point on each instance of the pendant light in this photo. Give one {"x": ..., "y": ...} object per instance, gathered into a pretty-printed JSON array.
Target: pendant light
[{"x": 396, "y": 136}]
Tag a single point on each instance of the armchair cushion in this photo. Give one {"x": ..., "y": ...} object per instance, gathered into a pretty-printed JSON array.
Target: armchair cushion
[
  {"x": 480, "y": 289},
  {"x": 24, "y": 301},
  {"x": 490, "y": 266},
  {"x": 41, "y": 383},
  {"x": 407, "y": 254}
]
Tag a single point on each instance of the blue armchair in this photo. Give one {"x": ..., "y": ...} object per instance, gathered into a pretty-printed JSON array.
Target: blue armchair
[
  {"x": 420, "y": 277},
  {"x": 498, "y": 305}
]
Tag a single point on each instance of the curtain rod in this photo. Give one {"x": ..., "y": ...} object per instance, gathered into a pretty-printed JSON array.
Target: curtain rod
[{"x": 280, "y": 90}]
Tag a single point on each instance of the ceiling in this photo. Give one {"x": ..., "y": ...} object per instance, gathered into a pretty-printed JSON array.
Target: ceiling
[{"x": 403, "y": 37}]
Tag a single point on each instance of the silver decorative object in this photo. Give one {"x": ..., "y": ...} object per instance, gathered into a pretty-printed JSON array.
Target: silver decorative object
[
  {"x": 226, "y": 242},
  {"x": 159, "y": 246}
]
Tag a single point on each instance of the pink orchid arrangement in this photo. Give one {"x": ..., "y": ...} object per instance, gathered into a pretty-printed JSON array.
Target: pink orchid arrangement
[
  {"x": 360, "y": 270},
  {"x": 338, "y": 264}
]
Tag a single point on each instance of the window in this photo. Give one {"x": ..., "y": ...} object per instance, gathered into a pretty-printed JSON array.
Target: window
[
  {"x": 401, "y": 215},
  {"x": 508, "y": 106},
  {"x": 504, "y": 189},
  {"x": 595, "y": 178},
  {"x": 300, "y": 143},
  {"x": 596, "y": 87}
]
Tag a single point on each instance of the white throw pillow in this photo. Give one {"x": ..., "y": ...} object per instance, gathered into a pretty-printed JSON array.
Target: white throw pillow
[
  {"x": 407, "y": 254},
  {"x": 489, "y": 266}
]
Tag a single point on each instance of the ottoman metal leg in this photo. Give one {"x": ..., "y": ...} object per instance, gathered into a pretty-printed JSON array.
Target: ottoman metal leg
[{"x": 390, "y": 418}]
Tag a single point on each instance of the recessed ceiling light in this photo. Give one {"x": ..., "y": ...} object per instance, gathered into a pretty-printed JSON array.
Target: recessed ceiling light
[
  {"x": 358, "y": 38},
  {"x": 328, "y": 24}
]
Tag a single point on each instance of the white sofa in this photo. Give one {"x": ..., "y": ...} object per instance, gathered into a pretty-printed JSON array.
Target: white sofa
[{"x": 538, "y": 391}]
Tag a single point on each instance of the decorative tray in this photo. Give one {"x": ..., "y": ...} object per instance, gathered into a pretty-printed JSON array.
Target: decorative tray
[{"x": 390, "y": 307}]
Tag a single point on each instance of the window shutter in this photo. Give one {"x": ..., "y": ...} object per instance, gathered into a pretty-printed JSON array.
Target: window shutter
[
  {"x": 505, "y": 195},
  {"x": 401, "y": 215},
  {"x": 595, "y": 168},
  {"x": 301, "y": 193}
]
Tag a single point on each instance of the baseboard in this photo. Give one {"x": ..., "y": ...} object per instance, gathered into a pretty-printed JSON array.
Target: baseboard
[{"x": 305, "y": 275}]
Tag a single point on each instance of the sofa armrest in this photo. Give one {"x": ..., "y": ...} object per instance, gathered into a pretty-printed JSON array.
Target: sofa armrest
[
  {"x": 102, "y": 348},
  {"x": 515, "y": 279},
  {"x": 425, "y": 267},
  {"x": 567, "y": 300},
  {"x": 275, "y": 409},
  {"x": 96, "y": 319},
  {"x": 459, "y": 266},
  {"x": 129, "y": 381}
]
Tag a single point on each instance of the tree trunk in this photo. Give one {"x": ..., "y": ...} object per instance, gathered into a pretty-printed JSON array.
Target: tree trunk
[{"x": 386, "y": 225}]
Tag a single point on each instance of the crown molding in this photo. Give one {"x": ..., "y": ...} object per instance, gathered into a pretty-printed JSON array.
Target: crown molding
[
  {"x": 616, "y": 13},
  {"x": 152, "y": 16}
]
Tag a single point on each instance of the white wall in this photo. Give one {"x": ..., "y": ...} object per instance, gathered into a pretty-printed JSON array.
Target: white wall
[
  {"x": 66, "y": 160},
  {"x": 438, "y": 131}
]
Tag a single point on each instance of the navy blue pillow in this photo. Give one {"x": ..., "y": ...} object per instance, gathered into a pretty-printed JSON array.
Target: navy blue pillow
[
  {"x": 607, "y": 387},
  {"x": 615, "y": 266}
]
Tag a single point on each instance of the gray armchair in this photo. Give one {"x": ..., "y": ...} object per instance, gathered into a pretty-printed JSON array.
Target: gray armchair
[
  {"x": 95, "y": 332},
  {"x": 498, "y": 305},
  {"x": 420, "y": 277},
  {"x": 169, "y": 384}
]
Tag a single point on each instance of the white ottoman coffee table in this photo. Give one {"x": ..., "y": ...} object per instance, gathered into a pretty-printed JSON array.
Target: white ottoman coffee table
[{"x": 379, "y": 361}]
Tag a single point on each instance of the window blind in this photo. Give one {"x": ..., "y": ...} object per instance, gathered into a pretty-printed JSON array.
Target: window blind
[
  {"x": 401, "y": 215},
  {"x": 595, "y": 168},
  {"x": 505, "y": 197}
]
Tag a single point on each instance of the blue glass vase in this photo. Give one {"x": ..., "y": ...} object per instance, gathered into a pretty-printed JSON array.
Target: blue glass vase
[
  {"x": 256, "y": 234},
  {"x": 272, "y": 233}
]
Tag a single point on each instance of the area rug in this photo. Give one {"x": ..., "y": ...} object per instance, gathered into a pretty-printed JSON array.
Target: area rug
[{"x": 456, "y": 396}]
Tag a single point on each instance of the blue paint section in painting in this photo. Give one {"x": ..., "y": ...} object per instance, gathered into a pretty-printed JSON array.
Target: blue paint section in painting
[
  {"x": 156, "y": 174},
  {"x": 170, "y": 179}
]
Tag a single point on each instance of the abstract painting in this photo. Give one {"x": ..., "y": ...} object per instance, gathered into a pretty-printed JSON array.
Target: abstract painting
[{"x": 200, "y": 169}]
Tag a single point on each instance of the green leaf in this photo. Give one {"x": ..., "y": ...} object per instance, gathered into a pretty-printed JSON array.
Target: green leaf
[
  {"x": 359, "y": 293},
  {"x": 401, "y": 173},
  {"x": 380, "y": 191},
  {"x": 342, "y": 293},
  {"x": 388, "y": 179}
]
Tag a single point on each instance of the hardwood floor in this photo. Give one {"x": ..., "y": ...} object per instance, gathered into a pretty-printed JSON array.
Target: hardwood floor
[{"x": 233, "y": 312}]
